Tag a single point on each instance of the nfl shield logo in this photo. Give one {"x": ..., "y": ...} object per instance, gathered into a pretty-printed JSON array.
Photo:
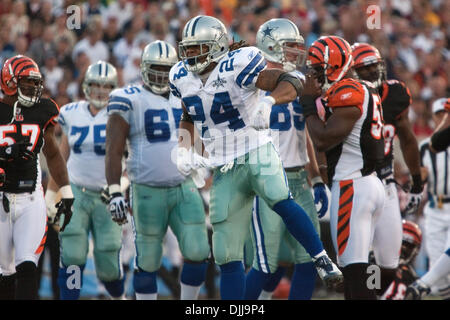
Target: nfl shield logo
[{"x": 18, "y": 116}]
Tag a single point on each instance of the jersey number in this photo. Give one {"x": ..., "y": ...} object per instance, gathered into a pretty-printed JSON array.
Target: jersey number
[
  {"x": 388, "y": 134},
  {"x": 377, "y": 120},
  {"x": 284, "y": 123},
  {"x": 157, "y": 127},
  {"x": 31, "y": 130},
  {"x": 222, "y": 110},
  {"x": 99, "y": 138}
]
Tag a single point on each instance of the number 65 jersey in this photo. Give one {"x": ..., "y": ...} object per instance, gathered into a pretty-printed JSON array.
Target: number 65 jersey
[
  {"x": 222, "y": 106},
  {"x": 153, "y": 136}
]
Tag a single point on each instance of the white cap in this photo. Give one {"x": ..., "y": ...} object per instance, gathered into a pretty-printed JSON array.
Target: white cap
[{"x": 439, "y": 105}]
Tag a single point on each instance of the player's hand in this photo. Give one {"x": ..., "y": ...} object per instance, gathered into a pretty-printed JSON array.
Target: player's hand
[
  {"x": 50, "y": 201},
  {"x": 188, "y": 160},
  {"x": 320, "y": 195},
  {"x": 415, "y": 195},
  {"x": 311, "y": 87},
  {"x": 118, "y": 208},
  {"x": 17, "y": 151},
  {"x": 261, "y": 119},
  {"x": 413, "y": 203},
  {"x": 64, "y": 207}
]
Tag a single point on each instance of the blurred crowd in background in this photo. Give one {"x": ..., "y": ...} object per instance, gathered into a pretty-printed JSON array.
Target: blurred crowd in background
[
  {"x": 65, "y": 36},
  {"x": 413, "y": 36}
]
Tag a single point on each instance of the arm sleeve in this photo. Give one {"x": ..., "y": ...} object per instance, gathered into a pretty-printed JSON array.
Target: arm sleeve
[
  {"x": 248, "y": 63},
  {"x": 121, "y": 106}
]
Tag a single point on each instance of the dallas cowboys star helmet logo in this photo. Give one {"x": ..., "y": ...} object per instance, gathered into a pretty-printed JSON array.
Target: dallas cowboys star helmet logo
[
  {"x": 219, "y": 82},
  {"x": 268, "y": 32}
]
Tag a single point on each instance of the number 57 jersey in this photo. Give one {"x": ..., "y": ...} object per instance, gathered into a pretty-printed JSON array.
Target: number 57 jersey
[
  {"x": 153, "y": 138},
  {"x": 222, "y": 107}
]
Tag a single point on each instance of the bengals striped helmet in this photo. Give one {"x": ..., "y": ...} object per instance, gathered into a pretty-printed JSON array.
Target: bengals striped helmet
[
  {"x": 411, "y": 241},
  {"x": 330, "y": 56},
  {"x": 20, "y": 75},
  {"x": 365, "y": 55}
]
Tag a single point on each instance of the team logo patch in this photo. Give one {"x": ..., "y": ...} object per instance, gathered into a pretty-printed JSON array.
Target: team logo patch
[
  {"x": 268, "y": 33},
  {"x": 346, "y": 96},
  {"x": 18, "y": 115},
  {"x": 219, "y": 82}
]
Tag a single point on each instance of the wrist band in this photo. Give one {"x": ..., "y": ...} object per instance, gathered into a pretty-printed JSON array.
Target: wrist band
[
  {"x": 270, "y": 99},
  {"x": 316, "y": 180},
  {"x": 66, "y": 192},
  {"x": 114, "y": 188}
]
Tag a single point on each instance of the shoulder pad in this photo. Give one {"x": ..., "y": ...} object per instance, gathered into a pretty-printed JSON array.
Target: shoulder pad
[{"x": 344, "y": 93}]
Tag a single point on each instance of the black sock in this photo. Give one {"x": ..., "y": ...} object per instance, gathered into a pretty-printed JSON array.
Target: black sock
[
  {"x": 356, "y": 276},
  {"x": 7, "y": 287},
  {"x": 387, "y": 276},
  {"x": 26, "y": 283}
]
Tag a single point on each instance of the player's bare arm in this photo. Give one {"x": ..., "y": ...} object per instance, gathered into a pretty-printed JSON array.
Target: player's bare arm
[
  {"x": 55, "y": 160},
  {"x": 408, "y": 145},
  {"x": 312, "y": 167},
  {"x": 117, "y": 130},
  {"x": 64, "y": 149},
  {"x": 281, "y": 90}
]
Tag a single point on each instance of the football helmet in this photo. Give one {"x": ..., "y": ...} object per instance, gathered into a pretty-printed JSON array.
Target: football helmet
[
  {"x": 199, "y": 31},
  {"x": 157, "y": 53},
  {"x": 411, "y": 241},
  {"x": 20, "y": 75},
  {"x": 100, "y": 79},
  {"x": 331, "y": 59},
  {"x": 365, "y": 55},
  {"x": 272, "y": 39}
]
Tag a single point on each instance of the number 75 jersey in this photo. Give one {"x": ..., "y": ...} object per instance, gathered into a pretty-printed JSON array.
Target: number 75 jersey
[
  {"x": 86, "y": 135},
  {"x": 222, "y": 107},
  {"x": 153, "y": 137}
]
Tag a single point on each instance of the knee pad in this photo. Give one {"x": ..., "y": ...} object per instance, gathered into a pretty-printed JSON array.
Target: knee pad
[
  {"x": 145, "y": 282},
  {"x": 198, "y": 249},
  {"x": 193, "y": 274}
]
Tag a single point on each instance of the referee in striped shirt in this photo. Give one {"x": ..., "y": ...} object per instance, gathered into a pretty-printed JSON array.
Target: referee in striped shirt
[{"x": 437, "y": 210}]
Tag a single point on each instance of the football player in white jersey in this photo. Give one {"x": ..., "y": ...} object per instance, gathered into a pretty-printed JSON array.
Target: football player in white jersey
[
  {"x": 221, "y": 98},
  {"x": 274, "y": 247},
  {"x": 82, "y": 144},
  {"x": 352, "y": 139},
  {"x": 146, "y": 117}
]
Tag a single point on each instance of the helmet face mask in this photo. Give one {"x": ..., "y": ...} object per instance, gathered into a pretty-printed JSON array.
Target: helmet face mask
[
  {"x": 373, "y": 73},
  {"x": 156, "y": 60},
  {"x": 411, "y": 242},
  {"x": 156, "y": 77},
  {"x": 100, "y": 79},
  {"x": 368, "y": 64},
  {"x": 204, "y": 40},
  {"x": 281, "y": 42},
  {"x": 29, "y": 90}
]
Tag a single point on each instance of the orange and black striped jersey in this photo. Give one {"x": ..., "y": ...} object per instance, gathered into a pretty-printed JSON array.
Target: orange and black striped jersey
[
  {"x": 362, "y": 151},
  {"x": 395, "y": 100},
  {"x": 28, "y": 123}
]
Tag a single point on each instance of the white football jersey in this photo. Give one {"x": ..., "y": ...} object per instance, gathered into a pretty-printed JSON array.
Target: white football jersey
[
  {"x": 153, "y": 136},
  {"x": 222, "y": 107},
  {"x": 287, "y": 128},
  {"x": 87, "y": 136}
]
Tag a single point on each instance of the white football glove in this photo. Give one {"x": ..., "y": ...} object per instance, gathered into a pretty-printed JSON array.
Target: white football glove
[
  {"x": 413, "y": 203},
  {"x": 118, "y": 206},
  {"x": 261, "y": 119},
  {"x": 50, "y": 201},
  {"x": 188, "y": 160}
]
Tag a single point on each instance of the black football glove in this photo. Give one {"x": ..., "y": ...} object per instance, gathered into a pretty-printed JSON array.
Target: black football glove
[
  {"x": 64, "y": 207},
  {"x": 17, "y": 151}
]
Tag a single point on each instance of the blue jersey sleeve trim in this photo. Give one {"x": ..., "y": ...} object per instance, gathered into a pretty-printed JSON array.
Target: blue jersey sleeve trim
[{"x": 247, "y": 70}]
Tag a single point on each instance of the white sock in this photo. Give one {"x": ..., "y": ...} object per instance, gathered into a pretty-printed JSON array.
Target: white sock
[
  {"x": 146, "y": 296},
  {"x": 321, "y": 253},
  {"x": 265, "y": 295},
  {"x": 440, "y": 269},
  {"x": 189, "y": 292},
  {"x": 122, "y": 297}
]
